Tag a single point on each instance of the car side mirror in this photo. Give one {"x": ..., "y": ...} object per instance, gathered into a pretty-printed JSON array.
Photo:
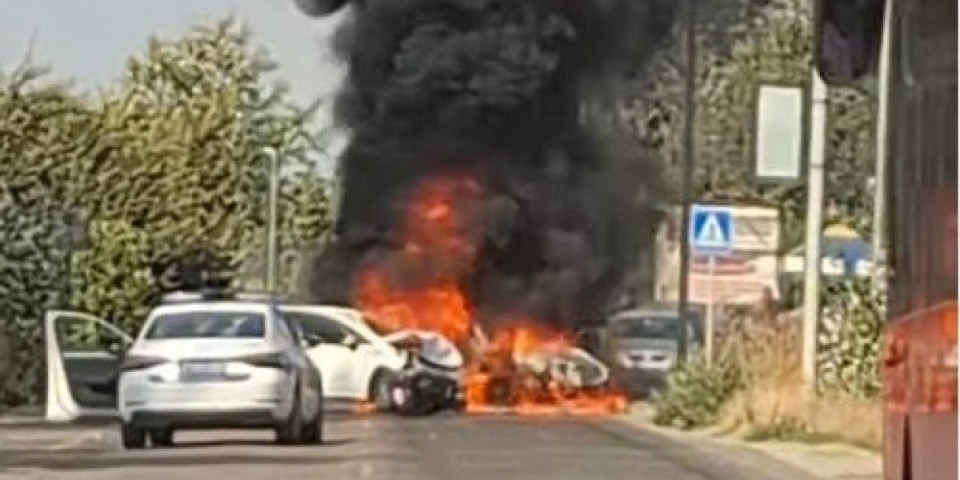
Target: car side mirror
[
  {"x": 311, "y": 341},
  {"x": 117, "y": 349},
  {"x": 351, "y": 342}
]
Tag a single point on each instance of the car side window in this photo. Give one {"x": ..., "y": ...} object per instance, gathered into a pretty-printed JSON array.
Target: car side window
[{"x": 327, "y": 330}]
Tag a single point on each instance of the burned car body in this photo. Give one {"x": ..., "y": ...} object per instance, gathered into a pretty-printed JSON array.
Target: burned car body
[
  {"x": 566, "y": 372},
  {"x": 432, "y": 377},
  {"x": 548, "y": 376}
]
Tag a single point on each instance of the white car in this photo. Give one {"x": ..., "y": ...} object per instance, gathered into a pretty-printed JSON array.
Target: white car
[
  {"x": 356, "y": 362},
  {"x": 196, "y": 364}
]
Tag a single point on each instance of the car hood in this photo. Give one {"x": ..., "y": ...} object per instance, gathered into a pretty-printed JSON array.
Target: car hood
[{"x": 432, "y": 348}]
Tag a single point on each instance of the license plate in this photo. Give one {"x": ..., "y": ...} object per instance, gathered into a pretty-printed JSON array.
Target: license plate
[{"x": 201, "y": 370}]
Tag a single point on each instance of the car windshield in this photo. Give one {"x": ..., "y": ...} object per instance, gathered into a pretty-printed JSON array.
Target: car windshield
[
  {"x": 647, "y": 327},
  {"x": 208, "y": 325}
]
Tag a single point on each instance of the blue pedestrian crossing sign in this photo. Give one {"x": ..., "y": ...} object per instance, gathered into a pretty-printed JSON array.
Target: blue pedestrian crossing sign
[{"x": 711, "y": 229}]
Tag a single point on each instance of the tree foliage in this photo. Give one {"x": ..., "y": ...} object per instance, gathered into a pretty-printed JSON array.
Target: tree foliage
[
  {"x": 848, "y": 343},
  {"x": 32, "y": 266},
  {"x": 168, "y": 165},
  {"x": 773, "y": 45}
]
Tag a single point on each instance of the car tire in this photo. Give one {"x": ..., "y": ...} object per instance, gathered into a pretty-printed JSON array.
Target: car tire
[
  {"x": 313, "y": 430},
  {"x": 161, "y": 437},
  {"x": 380, "y": 390},
  {"x": 291, "y": 431},
  {"x": 460, "y": 405},
  {"x": 132, "y": 437}
]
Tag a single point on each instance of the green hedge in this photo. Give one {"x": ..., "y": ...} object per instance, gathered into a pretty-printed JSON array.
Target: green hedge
[
  {"x": 849, "y": 340},
  {"x": 696, "y": 391}
]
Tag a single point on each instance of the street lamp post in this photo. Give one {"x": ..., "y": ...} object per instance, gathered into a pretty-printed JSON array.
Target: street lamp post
[
  {"x": 880, "y": 185},
  {"x": 689, "y": 159},
  {"x": 814, "y": 229},
  {"x": 271, "y": 269}
]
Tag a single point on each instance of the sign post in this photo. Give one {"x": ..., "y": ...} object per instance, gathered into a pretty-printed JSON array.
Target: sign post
[
  {"x": 711, "y": 265},
  {"x": 711, "y": 235}
]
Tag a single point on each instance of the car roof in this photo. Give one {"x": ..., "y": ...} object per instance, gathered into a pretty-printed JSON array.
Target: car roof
[
  {"x": 656, "y": 311},
  {"x": 651, "y": 313},
  {"x": 214, "y": 306}
]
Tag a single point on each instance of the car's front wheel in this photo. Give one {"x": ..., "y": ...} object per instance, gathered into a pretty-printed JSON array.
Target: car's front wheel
[
  {"x": 381, "y": 387},
  {"x": 132, "y": 437}
]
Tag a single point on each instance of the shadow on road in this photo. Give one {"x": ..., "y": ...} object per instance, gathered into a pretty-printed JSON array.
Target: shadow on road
[
  {"x": 49, "y": 462},
  {"x": 39, "y": 423},
  {"x": 141, "y": 460},
  {"x": 256, "y": 443}
]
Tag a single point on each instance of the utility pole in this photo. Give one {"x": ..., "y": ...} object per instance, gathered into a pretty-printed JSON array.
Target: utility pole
[
  {"x": 880, "y": 184},
  {"x": 811, "y": 271},
  {"x": 689, "y": 161},
  {"x": 271, "y": 272}
]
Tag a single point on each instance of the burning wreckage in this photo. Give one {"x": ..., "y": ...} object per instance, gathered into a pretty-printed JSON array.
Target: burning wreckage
[
  {"x": 514, "y": 374},
  {"x": 484, "y": 187},
  {"x": 521, "y": 372},
  {"x": 432, "y": 377}
]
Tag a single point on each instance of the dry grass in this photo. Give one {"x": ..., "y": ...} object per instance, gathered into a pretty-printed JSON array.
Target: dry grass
[{"x": 773, "y": 404}]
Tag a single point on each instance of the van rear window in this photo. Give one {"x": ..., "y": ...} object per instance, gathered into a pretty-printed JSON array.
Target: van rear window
[{"x": 647, "y": 327}]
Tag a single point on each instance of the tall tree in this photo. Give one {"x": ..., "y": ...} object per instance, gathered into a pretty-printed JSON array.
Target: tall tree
[
  {"x": 169, "y": 169},
  {"x": 43, "y": 128},
  {"x": 184, "y": 161}
]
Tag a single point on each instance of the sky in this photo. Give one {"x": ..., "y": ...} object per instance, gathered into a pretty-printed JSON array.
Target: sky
[{"x": 89, "y": 41}]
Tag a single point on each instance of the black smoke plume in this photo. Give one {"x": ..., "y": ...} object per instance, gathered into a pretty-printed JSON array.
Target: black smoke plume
[{"x": 499, "y": 90}]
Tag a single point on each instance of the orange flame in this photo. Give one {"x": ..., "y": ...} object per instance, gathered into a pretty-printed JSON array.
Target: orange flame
[
  {"x": 440, "y": 308},
  {"x": 437, "y": 251},
  {"x": 420, "y": 290},
  {"x": 529, "y": 395}
]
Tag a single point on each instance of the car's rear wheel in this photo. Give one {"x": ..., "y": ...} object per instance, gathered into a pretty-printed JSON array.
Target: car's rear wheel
[
  {"x": 132, "y": 437},
  {"x": 313, "y": 430},
  {"x": 161, "y": 437},
  {"x": 291, "y": 431},
  {"x": 380, "y": 390}
]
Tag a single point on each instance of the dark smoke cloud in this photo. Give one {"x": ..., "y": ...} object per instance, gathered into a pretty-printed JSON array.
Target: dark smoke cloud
[{"x": 496, "y": 88}]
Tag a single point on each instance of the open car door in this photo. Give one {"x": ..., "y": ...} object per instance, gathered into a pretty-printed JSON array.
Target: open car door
[{"x": 83, "y": 356}]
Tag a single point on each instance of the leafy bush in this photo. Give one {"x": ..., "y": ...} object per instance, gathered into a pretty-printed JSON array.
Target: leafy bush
[
  {"x": 697, "y": 391},
  {"x": 31, "y": 272},
  {"x": 773, "y": 403},
  {"x": 848, "y": 353},
  {"x": 769, "y": 401}
]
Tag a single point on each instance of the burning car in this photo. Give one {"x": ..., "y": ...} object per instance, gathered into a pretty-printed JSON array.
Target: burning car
[
  {"x": 519, "y": 372},
  {"x": 432, "y": 377}
]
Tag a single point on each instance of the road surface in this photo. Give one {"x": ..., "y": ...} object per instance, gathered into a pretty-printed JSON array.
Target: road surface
[{"x": 445, "y": 447}]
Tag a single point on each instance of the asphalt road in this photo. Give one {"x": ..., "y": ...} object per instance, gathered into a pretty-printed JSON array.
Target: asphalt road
[{"x": 443, "y": 447}]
